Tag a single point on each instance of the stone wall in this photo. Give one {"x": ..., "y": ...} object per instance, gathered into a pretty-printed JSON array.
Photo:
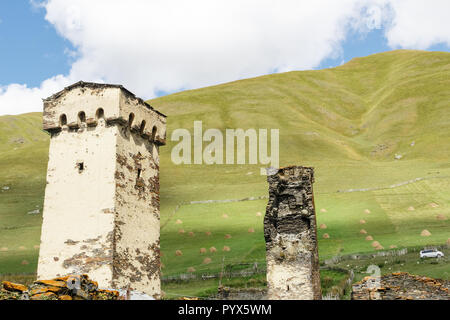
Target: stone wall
[
  {"x": 401, "y": 286},
  {"x": 291, "y": 235}
]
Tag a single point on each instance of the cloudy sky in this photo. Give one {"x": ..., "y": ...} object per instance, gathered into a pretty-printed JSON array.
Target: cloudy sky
[{"x": 162, "y": 46}]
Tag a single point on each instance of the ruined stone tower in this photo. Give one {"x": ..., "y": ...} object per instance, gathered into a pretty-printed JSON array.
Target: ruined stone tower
[
  {"x": 291, "y": 236},
  {"x": 101, "y": 209}
]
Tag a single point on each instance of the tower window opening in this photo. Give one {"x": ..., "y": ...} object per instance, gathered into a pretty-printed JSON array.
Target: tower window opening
[
  {"x": 154, "y": 133},
  {"x": 82, "y": 117},
  {"x": 80, "y": 166},
  {"x": 141, "y": 130},
  {"x": 130, "y": 119},
  {"x": 62, "y": 120},
  {"x": 100, "y": 113},
  {"x": 139, "y": 173}
]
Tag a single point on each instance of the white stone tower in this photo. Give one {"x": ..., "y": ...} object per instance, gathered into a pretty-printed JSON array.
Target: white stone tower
[{"x": 101, "y": 209}]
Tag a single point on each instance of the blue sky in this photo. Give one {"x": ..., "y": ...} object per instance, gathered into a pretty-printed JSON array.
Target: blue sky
[
  {"x": 162, "y": 48},
  {"x": 31, "y": 50}
]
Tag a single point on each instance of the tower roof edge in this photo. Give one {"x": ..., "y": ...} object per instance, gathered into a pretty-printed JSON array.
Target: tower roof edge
[{"x": 94, "y": 85}]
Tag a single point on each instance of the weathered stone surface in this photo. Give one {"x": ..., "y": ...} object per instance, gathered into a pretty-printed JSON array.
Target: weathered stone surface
[
  {"x": 9, "y": 295},
  {"x": 401, "y": 286},
  {"x": 53, "y": 283},
  {"x": 290, "y": 232},
  {"x": 101, "y": 209},
  {"x": 71, "y": 287},
  {"x": 10, "y": 286},
  {"x": 44, "y": 296}
]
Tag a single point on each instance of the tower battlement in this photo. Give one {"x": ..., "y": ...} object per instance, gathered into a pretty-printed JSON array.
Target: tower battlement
[{"x": 84, "y": 104}]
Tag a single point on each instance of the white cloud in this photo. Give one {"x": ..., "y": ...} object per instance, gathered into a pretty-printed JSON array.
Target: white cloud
[
  {"x": 167, "y": 45},
  {"x": 18, "y": 98},
  {"x": 419, "y": 24}
]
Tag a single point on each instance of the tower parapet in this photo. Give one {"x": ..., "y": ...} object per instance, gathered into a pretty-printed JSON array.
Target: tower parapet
[{"x": 85, "y": 103}]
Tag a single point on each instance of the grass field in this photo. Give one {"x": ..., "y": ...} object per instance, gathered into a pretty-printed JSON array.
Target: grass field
[{"x": 348, "y": 122}]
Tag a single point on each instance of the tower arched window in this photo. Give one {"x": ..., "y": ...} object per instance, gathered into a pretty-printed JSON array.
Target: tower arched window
[
  {"x": 63, "y": 120},
  {"x": 100, "y": 113},
  {"x": 130, "y": 119},
  {"x": 141, "y": 130},
  {"x": 154, "y": 131},
  {"x": 82, "y": 117}
]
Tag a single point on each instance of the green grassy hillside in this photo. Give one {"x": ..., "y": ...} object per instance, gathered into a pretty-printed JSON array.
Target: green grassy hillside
[{"x": 348, "y": 122}]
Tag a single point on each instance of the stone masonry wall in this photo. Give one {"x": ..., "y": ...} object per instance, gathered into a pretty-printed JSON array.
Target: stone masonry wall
[
  {"x": 401, "y": 286},
  {"x": 291, "y": 236},
  {"x": 137, "y": 255}
]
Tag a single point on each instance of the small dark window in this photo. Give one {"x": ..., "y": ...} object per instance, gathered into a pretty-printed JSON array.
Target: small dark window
[
  {"x": 142, "y": 127},
  {"x": 154, "y": 133},
  {"x": 130, "y": 119},
  {"x": 62, "y": 120},
  {"x": 82, "y": 117},
  {"x": 80, "y": 166},
  {"x": 139, "y": 173},
  {"x": 100, "y": 113}
]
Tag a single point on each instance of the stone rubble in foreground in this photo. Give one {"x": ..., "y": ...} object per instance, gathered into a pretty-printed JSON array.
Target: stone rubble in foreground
[
  {"x": 401, "y": 286},
  {"x": 72, "y": 287}
]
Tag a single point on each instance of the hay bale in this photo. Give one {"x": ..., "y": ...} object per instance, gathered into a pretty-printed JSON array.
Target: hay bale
[
  {"x": 22, "y": 248},
  {"x": 448, "y": 242},
  {"x": 208, "y": 233},
  {"x": 191, "y": 234},
  {"x": 363, "y": 231},
  {"x": 362, "y": 221},
  {"x": 367, "y": 211},
  {"x": 226, "y": 248},
  {"x": 228, "y": 236},
  {"x": 411, "y": 208},
  {"x": 258, "y": 214},
  {"x": 36, "y": 246},
  {"x": 24, "y": 262},
  {"x": 375, "y": 244},
  {"x": 178, "y": 253},
  {"x": 323, "y": 226},
  {"x": 369, "y": 238},
  {"x": 326, "y": 236},
  {"x": 178, "y": 221},
  {"x": 425, "y": 233},
  {"x": 191, "y": 269},
  {"x": 379, "y": 247},
  {"x": 323, "y": 210},
  {"x": 251, "y": 230},
  {"x": 393, "y": 246},
  {"x": 225, "y": 216},
  {"x": 441, "y": 217},
  {"x": 181, "y": 231},
  {"x": 434, "y": 205},
  {"x": 207, "y": 260},
  {"x": 3, "y": 249},
  {"x": 212, "y": 249},
  {"x": 202, "y": 250}
]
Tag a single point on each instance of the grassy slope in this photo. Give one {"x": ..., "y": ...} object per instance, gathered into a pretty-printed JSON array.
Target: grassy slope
[
  {"x": 23, "y": 165},
  {"x": 347, "y": 122}
]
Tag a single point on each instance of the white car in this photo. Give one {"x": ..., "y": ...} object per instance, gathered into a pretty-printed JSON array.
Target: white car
[{"x": 431, "y": 253}]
